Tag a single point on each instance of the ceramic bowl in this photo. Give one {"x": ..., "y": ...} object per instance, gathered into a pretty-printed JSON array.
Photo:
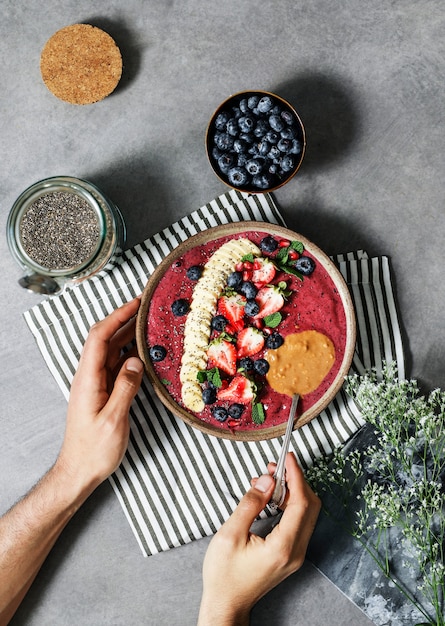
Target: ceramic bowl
[
  {"x": 255, "y": 141},
  {"x": 153, "y": 326}
]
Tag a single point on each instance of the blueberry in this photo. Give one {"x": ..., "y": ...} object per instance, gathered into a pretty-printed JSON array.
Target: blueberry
[
  {"x": 272, "y": 137},
  {"x": 225, "y": 162},
  {"x": 261, "y": 129},
  {"x": 288, "y": 133},
  {"x": 247, "y": 137},
  {"x": 254, "y": 150},
  {"x": 296, "y": 147},
  {"x": 223, "y": 141},
  {"x": 274, "y": 153},
  {"x": 157, "y": 353},
  {"x": 305, "y": 265},
  {"x": 232, "y": 127},
  {"x": 246, "y": 363},
  {"x": 252, "y": 102},
  {"x": 265, "y": 104},
  {"x": 194, "y": 272},
  {"x": 246, "y": 124},
  {"x": 268, "y": 244},
  {"x": 180, "y": 307},
  {"x": 252, "y": 308},
  {"x": 284, "y": 145},
  {"x": 218, "y": 323},
  {"x": 234, "y": 280},
  {"x": 254, "y": 166},
  {"x": 248, "y": 289},
  {"x": 221, "y": 120},
  {"x": 209, "y": 395},
  {"x": 261, "y": 367},
  {"x": 262, "y": 181},
  {"x": 287, "y": 117},
  {"x": 219, "y": 413},
  {"x": 235, "y": 410},
  {"x": 287, "y": 163},
  {"x": 240, "y": 146},
  {"x": 263, "y": 147},
  {"x": 276, "y": 123},
  {"x": 237, "y": 176},
  {"x": 242, "y": 160},
  {"x": 216, "y": 153},
  {"x": 274, "y": 341},
  {"x": 243, "y": 105}
]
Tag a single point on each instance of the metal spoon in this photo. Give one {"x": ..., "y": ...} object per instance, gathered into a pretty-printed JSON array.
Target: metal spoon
[{"x": 279, "y": 492}]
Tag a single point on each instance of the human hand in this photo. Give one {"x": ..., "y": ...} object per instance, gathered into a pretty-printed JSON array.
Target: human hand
[
  {"x": 97, "y": 426},
  {"x": 240, "y": 567}
]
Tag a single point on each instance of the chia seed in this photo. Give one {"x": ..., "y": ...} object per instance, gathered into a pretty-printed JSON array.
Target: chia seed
[{"x": 60, "y": 230}]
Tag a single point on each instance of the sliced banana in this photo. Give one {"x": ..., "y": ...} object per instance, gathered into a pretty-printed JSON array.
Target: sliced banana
[{"x": 202, "y": 308}]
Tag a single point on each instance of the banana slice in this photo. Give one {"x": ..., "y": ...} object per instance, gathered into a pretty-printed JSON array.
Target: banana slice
[{"x": 202, "y": 308}]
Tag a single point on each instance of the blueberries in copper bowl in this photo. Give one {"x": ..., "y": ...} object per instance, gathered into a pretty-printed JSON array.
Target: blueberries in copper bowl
[{"x": 255, "y": 141}]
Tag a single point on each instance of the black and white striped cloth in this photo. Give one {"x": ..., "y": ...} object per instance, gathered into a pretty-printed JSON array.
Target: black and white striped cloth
[{"x": 175, "y": 483}]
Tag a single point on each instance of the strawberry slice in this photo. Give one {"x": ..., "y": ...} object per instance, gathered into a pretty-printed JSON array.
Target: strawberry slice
[
  {"x": 232, "y": 307},
  {"x": 249, "y": 341},
  {"x": 222, "y": 354},
  {"x": 263, "y": 272},
  {"x": 240, "y": 390},
  {"x": 270, "y": 299}
]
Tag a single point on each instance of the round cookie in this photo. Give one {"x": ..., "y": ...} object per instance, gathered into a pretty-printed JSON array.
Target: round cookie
[{"x": 81, "y": 64}]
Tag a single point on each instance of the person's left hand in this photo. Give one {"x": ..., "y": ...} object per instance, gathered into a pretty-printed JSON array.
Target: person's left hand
[{"x": 102, "y": 390}]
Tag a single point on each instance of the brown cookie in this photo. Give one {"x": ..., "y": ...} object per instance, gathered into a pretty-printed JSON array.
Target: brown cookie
[{"x": 81, "y": 64}]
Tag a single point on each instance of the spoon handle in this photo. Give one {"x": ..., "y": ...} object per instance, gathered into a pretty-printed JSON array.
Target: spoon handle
[{"x": 280, "y": 482}]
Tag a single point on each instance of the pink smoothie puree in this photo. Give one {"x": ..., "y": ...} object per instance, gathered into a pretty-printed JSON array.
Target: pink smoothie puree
[{"x": 314, "y": 304}]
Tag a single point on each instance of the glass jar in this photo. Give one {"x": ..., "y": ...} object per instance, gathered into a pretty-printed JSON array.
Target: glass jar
[{"x": 62, "y": 230}]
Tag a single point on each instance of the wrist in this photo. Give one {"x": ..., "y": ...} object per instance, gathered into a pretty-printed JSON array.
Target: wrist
[
  {"x": 71, "y": 485},
  {"x": 214, "y": 613}
]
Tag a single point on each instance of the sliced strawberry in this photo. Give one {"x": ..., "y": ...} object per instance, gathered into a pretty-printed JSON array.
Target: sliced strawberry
[
  {"x": 222, "y": 354},
  {"x": 249, "y": 341},
  {"x": 263, "y": 272},
  {"x": 232, "y": 307},
  {"x": 270, "y": 300},
  {"x": 240, "y": 389}
]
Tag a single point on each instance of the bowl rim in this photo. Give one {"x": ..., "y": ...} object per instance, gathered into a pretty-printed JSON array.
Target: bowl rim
[
  {"x": 211, "y": 160},
  {"x": 211, "y": 234}
]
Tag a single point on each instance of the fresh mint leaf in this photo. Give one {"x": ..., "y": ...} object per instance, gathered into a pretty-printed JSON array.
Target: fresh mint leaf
[
  {"x": 258, "y": 414},
  {"x": 248, "y": 257},
  {"x": 289, "y": 269},
  {"x": 273, "y": 320},
  {"x": 212, "y": 376},
  {"x": 297, "y": 246},
  {"x": 282, "y": 256}
]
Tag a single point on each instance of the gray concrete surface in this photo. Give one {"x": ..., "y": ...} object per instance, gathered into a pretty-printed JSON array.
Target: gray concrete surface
[{"x": 368, "y": 81}]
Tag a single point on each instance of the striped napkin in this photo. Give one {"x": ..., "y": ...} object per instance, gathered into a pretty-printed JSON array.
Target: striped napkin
[{"x": 177, "y": 484}]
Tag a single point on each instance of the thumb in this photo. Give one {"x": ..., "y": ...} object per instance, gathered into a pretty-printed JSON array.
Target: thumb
[
  {"x": 250, "y": 506},
  {"x": 127, "y": 384}
]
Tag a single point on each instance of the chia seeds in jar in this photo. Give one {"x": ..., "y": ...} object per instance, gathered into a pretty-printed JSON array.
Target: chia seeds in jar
[{"x": 63, "y": 230}]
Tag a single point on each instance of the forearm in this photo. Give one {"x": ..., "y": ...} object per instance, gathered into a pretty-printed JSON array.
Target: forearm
[{"x": 29, "y": 530}]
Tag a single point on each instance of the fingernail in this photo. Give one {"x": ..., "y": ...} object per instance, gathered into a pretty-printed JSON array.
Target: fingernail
[
  {"x": 264, "y": 483},
  {"x": 133, "y": 364}
]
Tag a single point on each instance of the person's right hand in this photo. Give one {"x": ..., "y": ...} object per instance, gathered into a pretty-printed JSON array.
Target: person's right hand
[
  {"x": 102, "y": 391},
  {"x": 240, "y": 567}
]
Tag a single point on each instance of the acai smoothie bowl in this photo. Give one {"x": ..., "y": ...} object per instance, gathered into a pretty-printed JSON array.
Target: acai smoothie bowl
[{"x": 238, "y": 319}]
